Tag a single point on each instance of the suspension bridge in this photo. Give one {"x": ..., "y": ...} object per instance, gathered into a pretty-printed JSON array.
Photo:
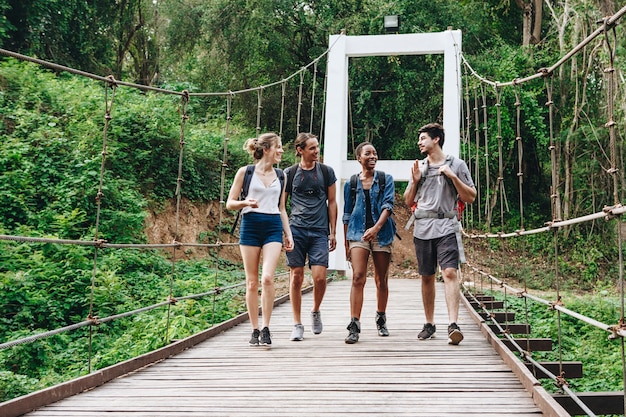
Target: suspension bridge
[
  {"x": 493, "y": 372},
  {"x": 396, "y": 375}
]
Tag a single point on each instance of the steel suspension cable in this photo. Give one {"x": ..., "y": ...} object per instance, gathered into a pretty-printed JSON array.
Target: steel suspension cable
[
  {"x": 282, "y": 108},
  {"x": 520, "y": 153},
  {"x": 258, "y": 111},
  {"x": 614, "y": 170},
  {"x": 499, "y": 187},
  {"x": 556, "y": 216},
  {"x": 108, "y": 108},
  {"x": 323, "y": 117},
  {"x": 300, "y": 88},
  {"x": 609, "y": 22},
  {"x": 486, "y": 141},
  {"x": 477, "y": 158},
  {"x": 98, "y": 320},
  {"x": 554, "y": 192},
  {"x": 313, "y": 98},
  {"x": 225, "y": 145},
  {"x": 178, "y": 197},
  {"x": 612, "y": 329},
  {"x": 283, "y": 95},
  {"x": 466, "y": 139}
]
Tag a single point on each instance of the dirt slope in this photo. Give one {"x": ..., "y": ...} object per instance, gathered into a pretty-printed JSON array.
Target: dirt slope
[{"x": 200, "y": 223}]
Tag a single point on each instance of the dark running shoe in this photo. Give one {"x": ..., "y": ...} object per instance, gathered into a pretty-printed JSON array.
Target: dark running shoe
[
  {"x": 254, "y": 340},
  {"x": 354, "y": 328},
  {"x": 381, "y": 324},
  {"x": 454, "y": 334},
  {"x": 265, "y": 338},
  {"x": 428, "y": 332}
]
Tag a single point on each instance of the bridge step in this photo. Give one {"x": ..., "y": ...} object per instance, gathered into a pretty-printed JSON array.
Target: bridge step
[
  {"x": 489, "y": 305},
  {"x": 499, "y": 316},
  {"x": 513, "y": 328},
  {"x": 480, "y": 297},
  {"x": 530, "y": 345},
  {"x": 601, "y": 403},
  {"x": 571, "y": 369}
]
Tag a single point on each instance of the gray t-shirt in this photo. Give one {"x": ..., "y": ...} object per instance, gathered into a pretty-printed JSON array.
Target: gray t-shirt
[
  {"x": 309, "y": 206},
  {"x": 437, "y": 194}
]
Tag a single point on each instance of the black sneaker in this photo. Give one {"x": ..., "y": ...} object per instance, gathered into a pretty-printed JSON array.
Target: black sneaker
[
  {"x": 428, "y": 331},
  {"x": 254, "y": 340},
  {"x": 454, "y": 334},
  {"x": 381, "y": 324},
  {"x": 265, "y": 337},
  {"x": 354, "y": 328}
]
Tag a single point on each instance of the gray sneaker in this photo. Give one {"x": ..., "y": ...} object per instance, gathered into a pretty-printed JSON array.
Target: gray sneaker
[
  {"x": 381, "y": 324},
  {"x": 354, "y": 328},
  {"x": 254, "y": 340},
  {"x": 297, "y": 333},
  {"x": 316, "y": 322}
]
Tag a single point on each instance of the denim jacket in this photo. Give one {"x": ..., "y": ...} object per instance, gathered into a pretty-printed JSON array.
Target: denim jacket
[{"x": 354, "y": 211}]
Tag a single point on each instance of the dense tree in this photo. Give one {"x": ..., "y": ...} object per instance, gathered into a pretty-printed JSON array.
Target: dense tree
[{"x": 73, "y": 33}]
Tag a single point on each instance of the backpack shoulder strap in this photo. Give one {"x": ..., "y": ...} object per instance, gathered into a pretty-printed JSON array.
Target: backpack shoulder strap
[
  {"x": 325, "y": 174},
  {"x": 353, "y": 179},
  {"x": 449, "y": 160},
  {"x": 246, "y": 181},
  {"x": 281, "y": 177},
  {"x": 247, "y": 177},
  {"x": 291, "y": 174}
]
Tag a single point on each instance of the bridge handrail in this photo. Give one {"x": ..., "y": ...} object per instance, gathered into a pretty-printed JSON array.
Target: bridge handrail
[
  {"x": 615, "y": 330},
  {"x": 96, "y": 320}
]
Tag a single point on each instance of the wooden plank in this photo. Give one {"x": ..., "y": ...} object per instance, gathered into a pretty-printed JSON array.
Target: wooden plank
[
  {"x": 512, "y": 328},
  {"x": 571, "y": 369},
  {"x": 397, "y": 375},
  {"x": 481, "y": 297},
  {"x": 499, "y": 316},
  {"x": 489, "y": 305},
  {"x": 530, "y": 345}
]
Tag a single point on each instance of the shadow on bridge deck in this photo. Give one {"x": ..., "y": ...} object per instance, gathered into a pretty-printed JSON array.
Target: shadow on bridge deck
[{"x": 321, "y": 375}]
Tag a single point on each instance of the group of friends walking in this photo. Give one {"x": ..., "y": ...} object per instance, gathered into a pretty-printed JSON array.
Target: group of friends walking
[{"x": 436, "y": 185}]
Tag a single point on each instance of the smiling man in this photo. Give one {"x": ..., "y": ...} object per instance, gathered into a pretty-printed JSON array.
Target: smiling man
[
  {"x": 436, "y": 184},
  {"x": 313, "y": 221}
]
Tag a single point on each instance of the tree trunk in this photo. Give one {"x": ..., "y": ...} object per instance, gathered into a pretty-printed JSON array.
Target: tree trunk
[
  {"x": 538, "y": 16},
  {"x": 532, "y": 15}
]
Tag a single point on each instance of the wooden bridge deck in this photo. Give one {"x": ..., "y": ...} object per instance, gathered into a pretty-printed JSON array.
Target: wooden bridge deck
[{"x": 321, "y": 375}]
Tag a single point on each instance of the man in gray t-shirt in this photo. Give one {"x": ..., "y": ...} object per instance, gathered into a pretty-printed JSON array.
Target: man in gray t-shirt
[
  {"x": 313, "y": 220},
  {"x": 435, "y": 185}
]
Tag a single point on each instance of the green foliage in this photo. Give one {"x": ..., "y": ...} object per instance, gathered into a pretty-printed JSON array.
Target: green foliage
[
  {"x": 13, "y": 385},
  {"x": 51, "y": 162},
  {"x": 72, "y": 33}
]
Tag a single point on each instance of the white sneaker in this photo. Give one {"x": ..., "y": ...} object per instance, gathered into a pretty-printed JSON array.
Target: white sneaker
[{"x": 297, "y": 333}]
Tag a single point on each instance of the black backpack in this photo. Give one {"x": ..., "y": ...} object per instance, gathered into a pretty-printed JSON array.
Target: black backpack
[
  {"x": 291, "y": 174},
  {"x": 246, "y": 186}
]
